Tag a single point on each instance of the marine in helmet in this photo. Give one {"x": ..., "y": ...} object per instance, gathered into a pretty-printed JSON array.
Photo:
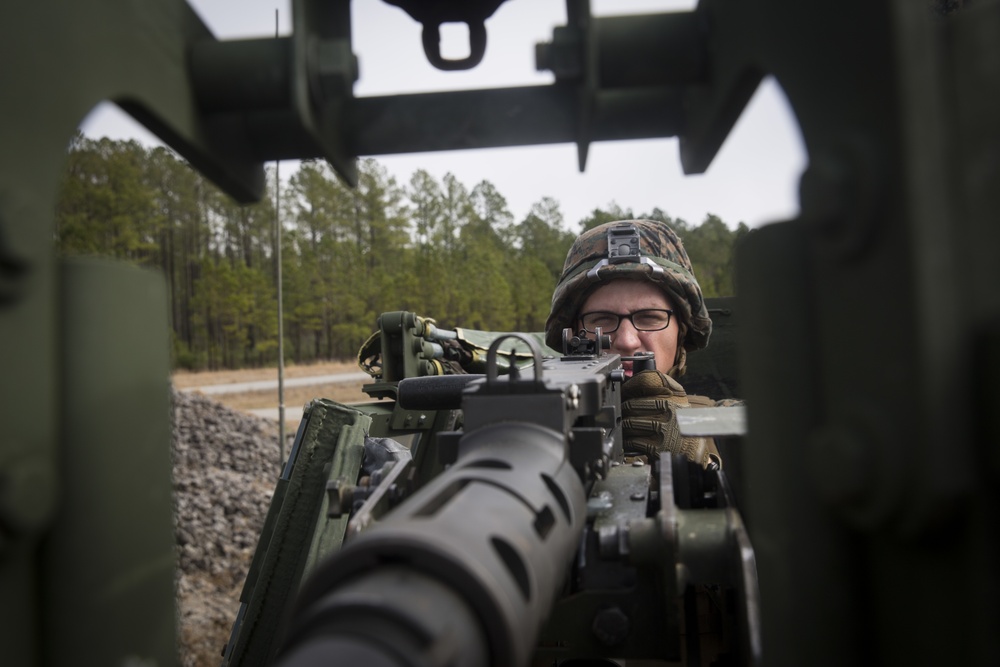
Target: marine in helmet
[{"x": 633, "y": 281}]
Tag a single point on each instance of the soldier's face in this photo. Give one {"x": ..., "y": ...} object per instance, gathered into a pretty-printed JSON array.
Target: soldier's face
[{"x": 624, "y": 297}]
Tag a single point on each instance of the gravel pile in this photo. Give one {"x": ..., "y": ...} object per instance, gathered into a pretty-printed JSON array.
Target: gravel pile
[{"x": 225, "y": 468}]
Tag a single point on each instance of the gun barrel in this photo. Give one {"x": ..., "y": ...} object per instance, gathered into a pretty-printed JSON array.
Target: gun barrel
[
  {"x": 383, "y": 619},
  {"x": 497, "y": 531}
]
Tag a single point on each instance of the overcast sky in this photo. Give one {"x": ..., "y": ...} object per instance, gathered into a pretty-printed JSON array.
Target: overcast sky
[{"x": 754, "y": 178}]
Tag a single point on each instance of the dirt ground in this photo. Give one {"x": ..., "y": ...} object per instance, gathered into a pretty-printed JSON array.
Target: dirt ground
[{"x": 295, "y": 397}]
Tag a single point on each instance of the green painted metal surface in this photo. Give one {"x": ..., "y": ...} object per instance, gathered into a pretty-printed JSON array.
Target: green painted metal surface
[{"x": 108, "y": 557}]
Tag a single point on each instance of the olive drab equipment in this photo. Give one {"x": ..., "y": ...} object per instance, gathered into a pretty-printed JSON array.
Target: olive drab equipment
[
  {"x": 868, "y": 343},
  {"x": 504, "y": 502}
]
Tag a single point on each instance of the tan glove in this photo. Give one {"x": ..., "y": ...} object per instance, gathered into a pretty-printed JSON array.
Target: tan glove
[{"x": 649, "y": 424}]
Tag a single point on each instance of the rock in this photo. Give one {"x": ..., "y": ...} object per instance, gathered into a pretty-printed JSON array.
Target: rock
[{"x": 225, "y": 466}]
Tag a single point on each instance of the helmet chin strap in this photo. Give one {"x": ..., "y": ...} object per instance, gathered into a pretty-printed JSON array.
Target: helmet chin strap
[
  {"x": 680, "y": 364},
  {"x": 680, "y": 359}
]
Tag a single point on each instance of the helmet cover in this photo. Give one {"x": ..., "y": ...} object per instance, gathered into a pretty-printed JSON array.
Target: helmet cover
[{"x": 639, "y": 250}]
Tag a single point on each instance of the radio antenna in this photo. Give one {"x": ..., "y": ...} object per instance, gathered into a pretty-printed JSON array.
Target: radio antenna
[{"x": 281, "y": 313}]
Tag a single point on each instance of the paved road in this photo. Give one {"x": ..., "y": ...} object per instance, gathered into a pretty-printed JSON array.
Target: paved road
[
  {"x": 292, "y": 413},
  {"x": 263, "y": 385}
]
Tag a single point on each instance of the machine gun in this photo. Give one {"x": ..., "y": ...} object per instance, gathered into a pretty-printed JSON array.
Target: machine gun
[{"x": 524, "y": 535}]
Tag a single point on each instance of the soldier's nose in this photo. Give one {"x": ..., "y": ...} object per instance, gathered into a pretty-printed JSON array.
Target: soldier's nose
[{"x": 626, "y": 339}]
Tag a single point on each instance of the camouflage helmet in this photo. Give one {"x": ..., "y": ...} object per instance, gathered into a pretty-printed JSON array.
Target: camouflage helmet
[{"x": 639, "y": 250}]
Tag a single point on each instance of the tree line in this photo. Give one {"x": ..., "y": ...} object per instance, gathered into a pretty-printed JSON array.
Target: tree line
[{"x": 436, "y": 247}]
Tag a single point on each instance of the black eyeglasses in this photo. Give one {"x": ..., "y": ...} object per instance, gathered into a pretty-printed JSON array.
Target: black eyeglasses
[{"x": 653, "y": 319}]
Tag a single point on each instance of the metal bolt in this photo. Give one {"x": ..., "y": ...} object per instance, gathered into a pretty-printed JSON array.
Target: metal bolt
[
  {"x": 573, "y": 397},
  {"x": 340, "y": 496},
  {"x": 599, "y": 503},
  {"x": 563, "y": 56},
  {"x": 333, "y": 509},
  {"x": 611, "y": 626}
]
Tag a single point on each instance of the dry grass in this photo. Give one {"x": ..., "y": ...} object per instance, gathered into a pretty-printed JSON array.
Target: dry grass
[
  {"x": 187, "y": 379},
  {"x": 342, "y": 392}
]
